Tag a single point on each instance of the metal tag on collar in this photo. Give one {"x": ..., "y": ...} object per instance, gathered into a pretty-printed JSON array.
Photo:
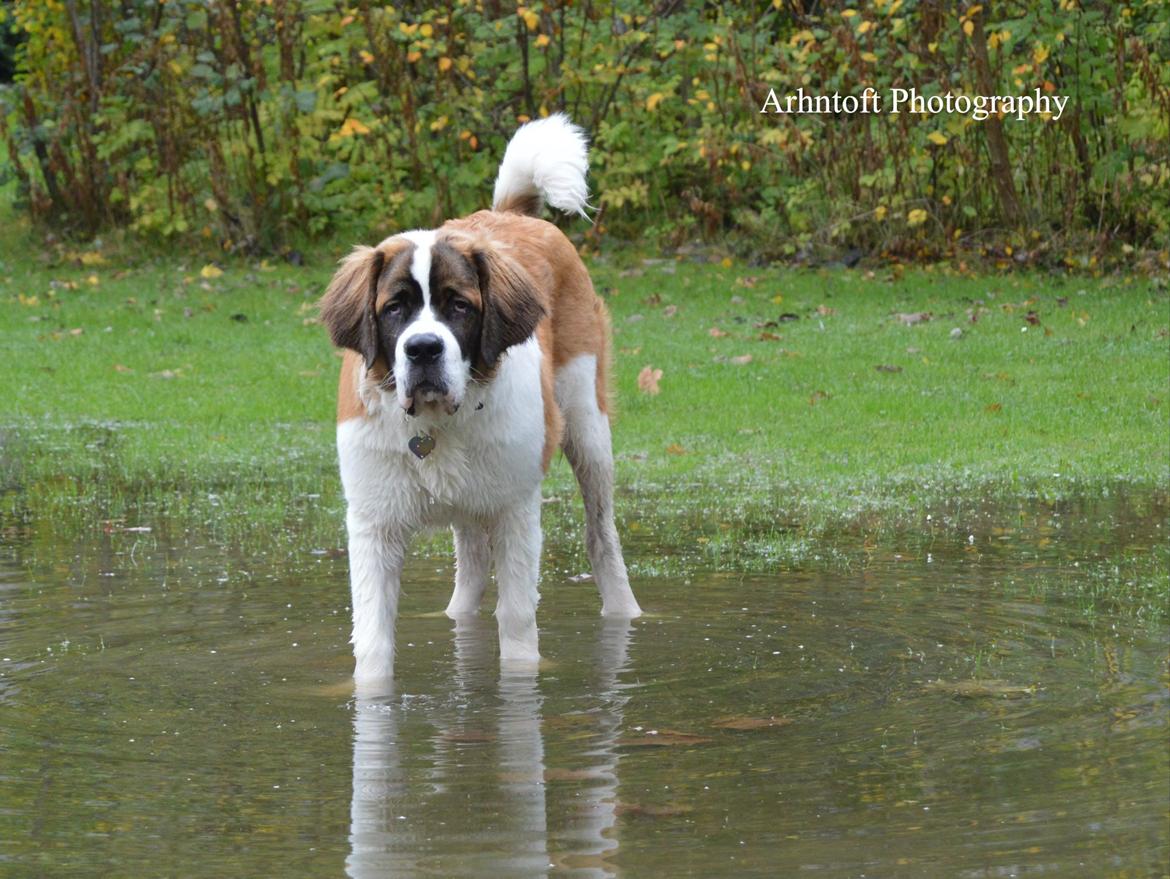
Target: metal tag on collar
[{"x": 422, "y": 444}]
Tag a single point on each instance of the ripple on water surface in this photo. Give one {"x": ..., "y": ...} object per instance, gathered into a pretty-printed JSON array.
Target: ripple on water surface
[{"x": 176, "y": 708}]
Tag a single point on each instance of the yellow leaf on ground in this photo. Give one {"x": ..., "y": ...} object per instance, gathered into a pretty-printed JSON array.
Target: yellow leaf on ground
[
  {"x": 937, "y": 137},
  {"x": 916, "y": 217},
  {"x": 210, "y": 271}
]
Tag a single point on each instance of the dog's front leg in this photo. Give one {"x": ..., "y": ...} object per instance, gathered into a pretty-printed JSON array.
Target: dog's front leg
[
  {"x": 376, "y": 554},
  {"x": 516, "y": 542}
]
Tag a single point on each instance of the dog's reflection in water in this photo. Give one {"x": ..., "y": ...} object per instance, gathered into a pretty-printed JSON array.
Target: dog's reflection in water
[{"x": 454, "y": 784}]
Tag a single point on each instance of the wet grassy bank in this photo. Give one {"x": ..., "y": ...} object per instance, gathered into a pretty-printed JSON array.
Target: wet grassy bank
[{"x": 765, "y": 417}]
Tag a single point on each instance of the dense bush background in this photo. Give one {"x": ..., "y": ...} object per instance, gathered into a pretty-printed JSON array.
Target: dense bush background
[{"x": 253, "y": 123}]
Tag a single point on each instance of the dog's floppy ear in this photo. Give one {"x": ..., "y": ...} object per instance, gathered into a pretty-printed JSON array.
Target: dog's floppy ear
[
  {"x": 347, "y": 308},
  {"x": 511, "y": 306}
]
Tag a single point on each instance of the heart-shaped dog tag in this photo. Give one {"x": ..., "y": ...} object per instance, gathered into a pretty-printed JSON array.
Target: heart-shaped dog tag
[{"x": 422, "y": 444}]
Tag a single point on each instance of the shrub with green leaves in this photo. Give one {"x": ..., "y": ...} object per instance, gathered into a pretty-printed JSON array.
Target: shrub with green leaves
[{"x": 254, "y": 123}]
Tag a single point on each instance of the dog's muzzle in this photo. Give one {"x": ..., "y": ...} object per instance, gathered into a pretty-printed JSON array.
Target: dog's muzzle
[{"x": 425, "y": 379}]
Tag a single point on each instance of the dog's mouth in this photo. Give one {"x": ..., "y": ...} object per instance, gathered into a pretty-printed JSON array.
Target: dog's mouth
[{"x": 429, "y": 393}]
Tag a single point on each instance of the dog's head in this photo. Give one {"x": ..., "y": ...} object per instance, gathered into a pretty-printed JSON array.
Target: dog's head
[{"x": 430, "y": 312}]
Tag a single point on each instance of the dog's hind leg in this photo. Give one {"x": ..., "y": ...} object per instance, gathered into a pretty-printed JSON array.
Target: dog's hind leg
[
  {"x": 472, "y": 563},
  {"x": 588, "y": 446}
]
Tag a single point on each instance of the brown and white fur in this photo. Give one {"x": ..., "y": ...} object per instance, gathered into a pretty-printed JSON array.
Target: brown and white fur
[{"x": 487, "y": 336}]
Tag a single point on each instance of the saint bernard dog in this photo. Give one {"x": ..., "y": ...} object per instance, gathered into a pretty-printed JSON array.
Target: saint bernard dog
[{"x": 472, "y": 352}]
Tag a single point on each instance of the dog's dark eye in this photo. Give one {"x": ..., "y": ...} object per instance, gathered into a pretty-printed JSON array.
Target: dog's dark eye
[
  {"x": 460, "y": 305},
  {"x": 393, "y": 307}
]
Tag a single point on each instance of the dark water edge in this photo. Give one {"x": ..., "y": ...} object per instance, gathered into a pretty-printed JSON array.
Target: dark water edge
[{"x": 984, "y": 693}]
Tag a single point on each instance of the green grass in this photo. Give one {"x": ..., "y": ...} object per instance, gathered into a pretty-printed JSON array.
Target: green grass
[
  {"x": 1082, "y": 394},
  {"x": 145, "y": 379}
]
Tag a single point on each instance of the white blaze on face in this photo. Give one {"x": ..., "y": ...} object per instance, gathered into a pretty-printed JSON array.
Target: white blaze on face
[{"x": 455, "y": 371}]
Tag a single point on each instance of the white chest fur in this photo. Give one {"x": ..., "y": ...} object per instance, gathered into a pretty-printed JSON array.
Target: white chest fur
[{"x": 486, "y": 456}]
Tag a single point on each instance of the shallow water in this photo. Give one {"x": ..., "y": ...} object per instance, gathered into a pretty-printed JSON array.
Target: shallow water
[{"x": 173, "y": 707}]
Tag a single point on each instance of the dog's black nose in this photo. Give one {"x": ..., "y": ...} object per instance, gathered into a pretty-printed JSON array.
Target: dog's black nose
[{"x": 424, "y": 348}]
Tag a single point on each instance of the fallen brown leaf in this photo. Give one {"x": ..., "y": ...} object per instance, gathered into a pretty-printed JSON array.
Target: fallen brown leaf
[
  {"x": 676, "y": 449},
  {"x": 648, "y": 380},
  {"x": 885, "y": 367},
  {"x": 912, "y": 318},
  {"x": 747, "y": 724},
  {"x": 716, "y": 333},
  {"x": 825, "y": 311},
  {"x": 663, "y": 738},
  {"x": 467, "y": 737},
  {"x": 554, "y": 773},
  {"x": 670, "y": 311},
  {"x": 648, "y": 811},
  {"x": 980, "y": 689},
  {"x": 742, "y": 359}
]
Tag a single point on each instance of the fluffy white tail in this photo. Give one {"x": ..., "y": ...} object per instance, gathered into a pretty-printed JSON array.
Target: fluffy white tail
[{"x": 546, "y": 160}]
